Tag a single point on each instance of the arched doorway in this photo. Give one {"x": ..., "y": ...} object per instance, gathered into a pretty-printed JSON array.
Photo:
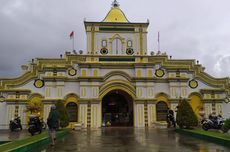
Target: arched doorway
[
  {"x": 161, "y": 110},
  {"x": 117, "y": 109},
  {"x": 72, "y": 111},
  {"x": 197, "y": 104}
]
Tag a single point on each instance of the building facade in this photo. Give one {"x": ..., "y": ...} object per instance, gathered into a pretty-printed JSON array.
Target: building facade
[{"x": 114, "y": 82}]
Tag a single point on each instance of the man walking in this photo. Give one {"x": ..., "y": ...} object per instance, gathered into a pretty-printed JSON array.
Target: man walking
[{"x": 53, "y": 124}]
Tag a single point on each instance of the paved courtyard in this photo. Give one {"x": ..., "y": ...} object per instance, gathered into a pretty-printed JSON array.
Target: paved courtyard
[
  {"x": 7, "y": 135},
  {"x": 132, "y": 140}
]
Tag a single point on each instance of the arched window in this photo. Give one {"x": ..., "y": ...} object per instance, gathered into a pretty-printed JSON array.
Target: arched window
[
  {"x": 117, "y": 46},
  {"x": 72, "y": 111},
  {"x": 161, "y": 109}
]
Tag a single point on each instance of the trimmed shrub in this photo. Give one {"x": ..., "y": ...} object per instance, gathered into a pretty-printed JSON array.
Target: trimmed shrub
[
  {"x": 63, "y": 114},
  {"x": 226, "y": 125},
  {"x": 186, "y": 117}
]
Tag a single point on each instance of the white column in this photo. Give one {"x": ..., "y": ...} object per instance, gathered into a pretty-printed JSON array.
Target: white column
[
  {"x": 83, "y": 114},
  {"x": 46, "y": 111},
  {"x": 9, "y": 114},
  {"x": 226, "y": 107},
  {"x": 95, "y": 119},
  {"x": 99, "y": 115},
  {"x": 3, "y": 117},
  {"x": 22, "y": 114},
  {"x": 151, "y": 114},
  {"x": 207, "y": 109},
  {"x": 139, "y": 115},
  {"x": 219, "y": 109}
]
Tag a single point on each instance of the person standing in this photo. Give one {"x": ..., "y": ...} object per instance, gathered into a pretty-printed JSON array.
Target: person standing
[
  {"x": 170, "y": 118},
  {"x": 53, "y": 124}
]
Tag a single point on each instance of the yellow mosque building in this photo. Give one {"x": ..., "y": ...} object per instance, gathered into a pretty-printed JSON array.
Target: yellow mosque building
[{"x": 114, "y": 81}]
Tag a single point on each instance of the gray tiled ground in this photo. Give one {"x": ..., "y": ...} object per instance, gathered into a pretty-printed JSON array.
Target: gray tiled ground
[
  {"x": 6, "y": 135},
  {"x": 132, "y": 140}
]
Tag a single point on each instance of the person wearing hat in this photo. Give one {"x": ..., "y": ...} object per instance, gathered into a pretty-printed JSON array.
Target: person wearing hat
[{"x": 53, "y": 123}]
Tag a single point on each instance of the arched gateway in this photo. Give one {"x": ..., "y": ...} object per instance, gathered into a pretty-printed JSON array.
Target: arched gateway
[{"x": 117, "y": 109}]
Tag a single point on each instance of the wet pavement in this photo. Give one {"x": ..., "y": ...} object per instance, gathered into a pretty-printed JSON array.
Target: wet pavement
[
  {"x": 132, "y": 140},
  {"x": 7, "y": 135}
]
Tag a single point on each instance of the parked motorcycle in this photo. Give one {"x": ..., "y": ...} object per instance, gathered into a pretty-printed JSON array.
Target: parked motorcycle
[
  {"x": 43, "y": 124},
  {"x": 35, "y": 125},
  {"x": 15, "y": 124},
  {"x": 212, "y": 122}
]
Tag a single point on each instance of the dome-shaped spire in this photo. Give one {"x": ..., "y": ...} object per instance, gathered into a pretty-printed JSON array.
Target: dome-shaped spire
[{"x": 115, "y": 14}]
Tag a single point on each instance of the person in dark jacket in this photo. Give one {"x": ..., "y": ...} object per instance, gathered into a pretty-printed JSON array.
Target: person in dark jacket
[
  {"x": 53, "y": 124},
  {"x": 170, "y": 118}
]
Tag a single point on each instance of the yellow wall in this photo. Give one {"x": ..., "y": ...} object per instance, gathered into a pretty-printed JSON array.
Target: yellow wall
[
  {"x": 35, "y": 100},
  {"x": 71, "y": 99},
  {"x": 138, "y": 73},
  {"x": 163, "y": 98},
  {"x": 196, "y": 104}
]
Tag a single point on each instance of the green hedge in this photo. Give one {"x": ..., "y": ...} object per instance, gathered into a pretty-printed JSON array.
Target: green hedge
[
  {"x": 31, "y": 142},
  {"x": 226, "y": 125},
  {"x": 216, "y": 137},
  {"x": 186, "y": 117}
]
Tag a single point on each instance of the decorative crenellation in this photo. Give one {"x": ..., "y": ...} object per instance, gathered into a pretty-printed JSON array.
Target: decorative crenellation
[
  {"x": 146, "y": 114},
  {"x": 88, "y": 114}
]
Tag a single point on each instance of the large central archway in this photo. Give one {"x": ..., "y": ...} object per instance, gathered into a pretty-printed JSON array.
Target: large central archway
[{"x": 117, "y": 109}]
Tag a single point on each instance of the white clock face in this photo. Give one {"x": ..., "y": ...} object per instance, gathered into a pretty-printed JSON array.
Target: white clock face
[
  {"x": 193, "y": 84},
  {"x": 159, "y": 73},
  {"x": 72, "y": 72},
  {"x": 38, "y": 83}
]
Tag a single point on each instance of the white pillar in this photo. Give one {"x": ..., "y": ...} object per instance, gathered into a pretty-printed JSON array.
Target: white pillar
[
  {"x": 22, "y": 114},
  {"x": 226, "y": 112},
  {"x": 207, "y": 109},
  {"x": 151, "y": 114},
  {"x": 139, "y": 115},
  {"x": 3, "y": 117},
  {"x": 95, "y": 116},
  {"x": 10, "y": 111},
  {"x": 83, "y": 114},
  {"x": 46, "y": 111}
]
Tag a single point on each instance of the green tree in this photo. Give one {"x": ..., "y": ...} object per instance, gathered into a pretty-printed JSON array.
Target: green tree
[
  {"x": 186, "y": 117},
  {"x": 34, "y": 107},
  {"x": 63, "y": 114},
  {"x": 226, "y": 125}
]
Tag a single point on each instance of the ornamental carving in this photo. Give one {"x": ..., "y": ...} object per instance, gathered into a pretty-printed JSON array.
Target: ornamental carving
[
  {"x": 193, "y": 84},
  {"x": 129, "y": 51}
]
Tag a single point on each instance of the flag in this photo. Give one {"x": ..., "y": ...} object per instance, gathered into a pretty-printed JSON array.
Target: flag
[
  {"x": 71, "y": 35},
  {"x": 158, "y": 39}
]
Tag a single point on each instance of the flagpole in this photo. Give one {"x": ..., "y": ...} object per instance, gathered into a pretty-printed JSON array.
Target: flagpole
[
  {"x": 159, "y": 47},
  {"x": 72, "y": 37},
  {"x": 73, "y": 41}
]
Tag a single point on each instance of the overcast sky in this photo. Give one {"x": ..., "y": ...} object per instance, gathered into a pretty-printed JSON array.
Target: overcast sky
[{"x": 189, "y": 29}]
